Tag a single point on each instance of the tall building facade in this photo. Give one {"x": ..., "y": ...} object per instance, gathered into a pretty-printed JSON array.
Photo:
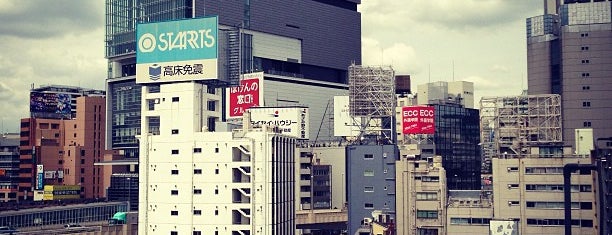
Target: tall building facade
[
  {"x": 569, "y": 52},
  {"x": 370, "y": 183},
  {"x": 197, "y": 182},
  {"x": 9, "y": 166},
  {"x": 63, "y": 152},
  {"x": 278, "y": 37}
]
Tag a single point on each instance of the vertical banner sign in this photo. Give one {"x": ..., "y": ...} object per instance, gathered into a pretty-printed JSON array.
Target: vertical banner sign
[
  {"x": 39, "y": 177},
  {"x": 248, "y": 94},
  {"x": 180, "y": 50},
  {"x": 418, "y": 120}
]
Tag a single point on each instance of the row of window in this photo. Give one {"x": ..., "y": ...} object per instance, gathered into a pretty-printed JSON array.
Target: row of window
[
  {"x": 194, "y": 233},
  {"x": 471, "y": 221},
  {"x": 195, "y": 150},
  {"x": 195, "y": 171},
  {"x": 560, "y": 222},
  {"x": 427, "y": 214},
  {"x": 558, "y": 187}
]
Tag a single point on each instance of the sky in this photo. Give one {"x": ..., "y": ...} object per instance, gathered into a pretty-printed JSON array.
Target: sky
[{"x": 482, "y": 41}]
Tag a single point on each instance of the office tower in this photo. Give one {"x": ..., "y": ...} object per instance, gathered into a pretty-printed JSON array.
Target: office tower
[
  {"x": 420, "y": 193},
  {"x": 311, "y": 39},
  {"x": 371, "y": 183},
  {"x": 460, "y": 92},
  {"x": 9, "y": 166},
  {"x": 569, "y": 53},
  {"x": 63, "y": 152},
  {"x": 195, "y": 182}
]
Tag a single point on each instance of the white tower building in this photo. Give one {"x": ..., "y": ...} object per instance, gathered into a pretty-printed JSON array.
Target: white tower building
[{"x": 194, "y": 182}]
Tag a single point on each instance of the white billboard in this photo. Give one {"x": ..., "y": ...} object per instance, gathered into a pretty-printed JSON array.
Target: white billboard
[
  {"x": 503, "y": 227},
  {"x": 344, "y": 124},
  {"x": 291, "y": 121}
]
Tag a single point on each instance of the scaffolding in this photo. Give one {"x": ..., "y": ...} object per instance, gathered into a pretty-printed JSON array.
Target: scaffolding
[
  {"x": 510, "y": 125},
  {"x": 372, "y": 99}
]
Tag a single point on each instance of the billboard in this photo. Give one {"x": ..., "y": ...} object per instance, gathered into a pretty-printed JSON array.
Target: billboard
[
  {"x": 50, "y": 105},
  {"x": 418, "y": 120},
  {"x": 503, "y": 227},
  {"x": 39, "y": 177},
  {"x": 56, "y": 192},
  {"x": 344, "y": 123},
  {"x": 292, "y": 121},
  {"x": 181, "y": 50},
  {"x": 248, "y": 94}
]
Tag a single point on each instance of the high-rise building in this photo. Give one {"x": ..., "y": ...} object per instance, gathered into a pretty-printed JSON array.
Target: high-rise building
[
  {"x": 370, "y": 183},
  {"x": 311, "y": 39},
  {"x": 63, "y": 152},
  {"x": 194, "y": 182},
  {"x": 9, "y": 166},
  {"x": 569, "y": 53},
  {"x": 459, "y": 92}
]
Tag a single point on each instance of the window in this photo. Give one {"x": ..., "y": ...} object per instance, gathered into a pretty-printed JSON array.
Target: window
[
  {"x": 216, "y": 150},
  {"x": 216, "y": 191},
  {"x": 427, "y": 231},
  {"x": 197, "y": 171},
  {"x": 216, "y": 213},
  {"x": 173, "y": 192},
  {"x": 586, "y": 104},
  {"x": 197, "y": 232},
  {"x": 175, "y": 99},
  {"x": 426, "y": 196},
  {"x": 368, "y": 205},
  {"x": 430, "y": 179},
  {"x": 512, "y": 169},
  {"x": 82, "y": 170},
  {"x": 584, "y": 75},
  {"x": 424, "y": 214},
  {"x": 216, "y": 171},
  {"x": 585, "y": 48},
  {"x": 368, "y": 173},
  {"x": 585, "y": 61},
  {"x": 212, "y": 105},
  {"x": 368, "y": 189},
  {"x": 368, "y": 156},
  {"x": 175, "y": 131},
  {"x": 210, "y": 90},
  {"x": 174, "y": 172},
  {"x": 513, "y": 203},
  {"x": 582, "y": 35},
  {"x": 197, "y": 150},
  {"x": 175, "y": 151},
  {"x": 586, "y": 87},
  {"x": 82, "y": 161},
  {"x": 197, "y": 191},
  {"x": 510, "y": 186},
  {"x": 586, "y": 124},
  {"x": 173, "y": 233},
  {"x": 174, "y": 213},
  {"x": 197, "y": 212}
]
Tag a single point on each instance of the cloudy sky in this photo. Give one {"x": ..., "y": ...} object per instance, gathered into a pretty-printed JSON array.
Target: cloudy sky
[{"x": 63, "y": 43}]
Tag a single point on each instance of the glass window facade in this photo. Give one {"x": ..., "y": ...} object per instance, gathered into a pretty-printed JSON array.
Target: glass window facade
[
  {"x": 457, "y": 137},
  {"x": 125, "y": 107}
]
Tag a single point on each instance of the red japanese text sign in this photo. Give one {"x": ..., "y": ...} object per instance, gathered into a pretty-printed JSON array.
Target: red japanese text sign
[
  {"x": 248, "y": 94},
  {"x": 418, "y": 120}
]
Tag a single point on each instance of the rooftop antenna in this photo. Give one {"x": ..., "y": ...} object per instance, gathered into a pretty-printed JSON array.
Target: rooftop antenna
[
  {"x": 453, "y": 70},
  {"x": 429, "y": 72}
]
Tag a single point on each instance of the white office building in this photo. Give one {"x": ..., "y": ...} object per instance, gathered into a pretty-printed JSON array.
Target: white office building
[{"x": 197, "y": 182}]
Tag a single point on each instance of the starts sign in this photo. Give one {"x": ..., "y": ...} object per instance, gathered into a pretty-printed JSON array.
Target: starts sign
[{"x": 418, "y": 120}]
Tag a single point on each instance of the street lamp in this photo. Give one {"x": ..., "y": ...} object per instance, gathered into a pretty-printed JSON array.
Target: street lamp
[{"x": 129, "y": 193}]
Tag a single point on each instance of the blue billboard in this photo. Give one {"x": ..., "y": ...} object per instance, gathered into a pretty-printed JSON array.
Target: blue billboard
[
  {"x": 50, "y": 105},
  {"x": 179, "y": 50}
]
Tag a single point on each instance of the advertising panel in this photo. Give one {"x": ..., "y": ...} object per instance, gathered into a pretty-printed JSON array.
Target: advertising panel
[
  {"x": 181, "y": 50},
  {"x": 292, "y": 121},
  {"x": 503, "y": 227},
  {"x": 344, "y": 124},
  {"x": 418, "y": 120},
  {"x": 39, "y": 177},
  {"x": 57, "y": 192},
  {"x": 248, "y": 94},
  {"x": 50, "y": 105}
]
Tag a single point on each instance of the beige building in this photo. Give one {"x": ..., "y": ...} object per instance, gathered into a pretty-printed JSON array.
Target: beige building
[
  {"x": 530, "y": 189},
  {"x": 420, "y": 193},
  {"x": 469, "y": 212}
]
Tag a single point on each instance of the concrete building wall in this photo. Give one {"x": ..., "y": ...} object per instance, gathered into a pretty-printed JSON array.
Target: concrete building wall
[
  {"x": 371, "y": 182},
  {"x": 225, "y": 182},
  {"x": 531, "y": 190}
]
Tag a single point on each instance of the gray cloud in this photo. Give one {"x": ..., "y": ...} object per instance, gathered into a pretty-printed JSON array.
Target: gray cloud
[{"x": 43, "y": 19}]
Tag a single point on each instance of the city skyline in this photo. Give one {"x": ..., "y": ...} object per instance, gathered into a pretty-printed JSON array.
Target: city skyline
[{"x": 61, "y": 44}]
